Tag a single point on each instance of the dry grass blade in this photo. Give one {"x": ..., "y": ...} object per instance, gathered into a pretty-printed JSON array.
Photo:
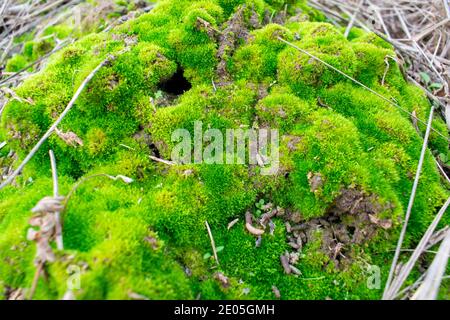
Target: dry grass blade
[
  {"x": 410, "y": 203},
  {"x": 430, "y": 287},
  {"x": 125, "y": 179},
  {"x": 18, "y": 18},
  {"x": 55, "y": 124},
  {"x": 213, "y": 244},
  {"x": 37, "y": 274},
  {"x": 167, "y": 162},
  {"x": 360, "y": 84},
  {"x": 392, "y": 291},
  {"x": 352, "y": 21}
]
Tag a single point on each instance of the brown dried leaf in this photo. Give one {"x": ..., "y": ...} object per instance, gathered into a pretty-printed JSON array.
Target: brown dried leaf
[
  {"x": 383, "y": 223},
  {"x": 69, "y": 137}
]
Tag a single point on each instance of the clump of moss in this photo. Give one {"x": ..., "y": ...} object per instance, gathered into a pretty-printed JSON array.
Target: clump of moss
[
  {"x": 182, "y": 63},
  {"x": 87, "y": 17}
]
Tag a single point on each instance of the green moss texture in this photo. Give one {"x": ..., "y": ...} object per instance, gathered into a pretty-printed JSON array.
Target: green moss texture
[{"x": 238, "y": 74}]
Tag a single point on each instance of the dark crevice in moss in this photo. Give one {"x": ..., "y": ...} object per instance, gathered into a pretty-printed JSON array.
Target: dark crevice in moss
[
  {"x": 179, "y": 72},
  {"x": 176, "y": 85}
]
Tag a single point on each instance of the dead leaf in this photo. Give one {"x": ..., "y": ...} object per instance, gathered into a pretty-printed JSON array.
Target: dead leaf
[{"x": 69, "y": 137}]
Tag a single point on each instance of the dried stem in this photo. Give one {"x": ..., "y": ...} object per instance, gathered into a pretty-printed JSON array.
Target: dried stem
[{"x": 83, "y": 179}]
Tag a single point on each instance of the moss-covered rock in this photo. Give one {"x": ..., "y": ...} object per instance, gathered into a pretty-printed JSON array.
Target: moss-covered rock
[{"x": 347, "y": 157}]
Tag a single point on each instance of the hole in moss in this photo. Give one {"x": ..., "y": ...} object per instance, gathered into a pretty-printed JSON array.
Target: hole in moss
[
  {"x": 351, "y": 230},
  {"x": 176, "y": 85}
]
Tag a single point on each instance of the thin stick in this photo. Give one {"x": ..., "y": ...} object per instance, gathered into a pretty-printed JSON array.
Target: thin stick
[
  {"x": 37, "y": 274},
  {"x": 410, "y": 204},
  {"x": 360, "y": 84},
  {"x": 447, "y": 7},
  {"x": 45, "y": 56},
  {"x": 58, "y": 226},
  {"x": 55, "y": 124},
  {"x": 83, "y": 179},
  {"x": 430, "y": 29},
  {"x": 410, "y": 38},
  {"x": 441, "y": 170},
  {"x": 213, "y": 244}
]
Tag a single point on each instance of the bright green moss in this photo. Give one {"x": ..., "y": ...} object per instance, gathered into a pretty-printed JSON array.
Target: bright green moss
[
  {"x": 374, "y": 39},
  {"x": 16, "y": 63},
  {"x": 149, "y": 237}
]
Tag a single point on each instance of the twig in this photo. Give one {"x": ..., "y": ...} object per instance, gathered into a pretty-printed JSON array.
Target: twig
[
  {"x": 437, "y": 237},
  {"x": 6, "y": 50},
  {"x": 447, "y": 7},
  {"x": 430, "y": 30},
  {"x": 405, "y": 292},
  {"x": 359, "y": 83},
  {"x": 405, "y": 271},
  {"x": 406, "y": 30},
  {"x": 410, "y": 205},
  {"x": 58, "y": 226},
  {"x": 56, "y": 123},
  {"x": 213, "y": 244},
  {"x": 37, "y": 61},
  {"x": 37, "y": 274},
  {"x": 169, "y": 163},
  {"x": 430, "y": 286}
]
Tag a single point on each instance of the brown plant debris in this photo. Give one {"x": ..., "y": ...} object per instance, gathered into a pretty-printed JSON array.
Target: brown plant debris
[
  {"x": 235, "y": 29},
  {"x": 352, "y": 219}
]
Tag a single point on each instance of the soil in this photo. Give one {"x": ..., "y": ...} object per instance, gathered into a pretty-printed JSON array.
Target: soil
[{"x": 352, "y": 219}]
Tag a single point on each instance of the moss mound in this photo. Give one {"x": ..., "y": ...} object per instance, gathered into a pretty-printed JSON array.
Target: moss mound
[{"x": 347, "y": 158}]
